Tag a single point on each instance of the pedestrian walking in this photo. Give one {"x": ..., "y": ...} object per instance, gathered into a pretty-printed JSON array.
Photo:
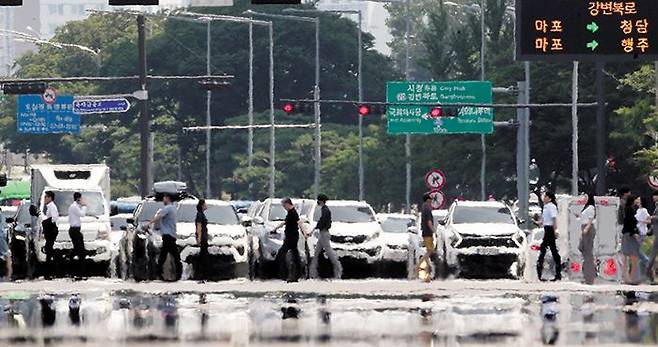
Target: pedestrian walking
[
  {"x": 427, "y": 230},
  {"x": 324, "y": 240},
  {"x": 643, "y": 221},
  {"x": 50, "y": 231},
  {"x": 77, "y": 211},
  {"x": 202, "y": 239},
  {"x": 549, "y": 215},
  {"x": 586, "y": 245},
  {"x": 167, "y": 218},
  {"x": 291, "y": 231},
  {"x": 5, "y": 253},
  {"x": 624, "y": 194},
  {"x": 630, "y": 243},
  {"x": 654, "y": 230}
]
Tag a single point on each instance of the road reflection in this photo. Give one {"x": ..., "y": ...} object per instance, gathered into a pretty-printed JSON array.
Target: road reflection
[{"x": 232, "y": 319}]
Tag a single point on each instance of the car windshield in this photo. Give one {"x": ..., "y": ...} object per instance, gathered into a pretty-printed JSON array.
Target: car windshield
[
  {"x": 277, "y": 212},
  {"x": 23, "y": 214},
  {"x": 472, "y": 214},
  {"x": 397, "y": 225},
  {"x": 224, "y": 215},
  {"x": 94, "y": 200},
  {"x": 348, "y": 214},
  {"x": 148, "y": 210}
]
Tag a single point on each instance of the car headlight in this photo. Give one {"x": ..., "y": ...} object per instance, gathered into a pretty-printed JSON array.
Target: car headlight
[
  {"x": 103, "y": 234},
  {"x": 518, "y": 239},
  {"x": 454, "y": 239}
]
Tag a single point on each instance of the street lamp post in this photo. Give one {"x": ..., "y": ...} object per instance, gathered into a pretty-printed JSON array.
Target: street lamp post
[
  {"x": 208, "y": 121},
  {"x": 316, "y": 88},
  {"x": 203, "y": 17},
  {"x": 359, "y": 87}
]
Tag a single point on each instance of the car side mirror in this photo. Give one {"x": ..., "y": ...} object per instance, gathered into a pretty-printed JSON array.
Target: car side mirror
[
  {"x": 123, "y": 227},
  {"x": 258, "y": 220},
  {"x": 245, "y": 221},
  {"x": 34, "y": 211},
  {"x": 9, "y": 220},
  {"x": 28, "y": 225},
  {"x": 412, "y": 230},
  {"x": 130, "y": 220}
]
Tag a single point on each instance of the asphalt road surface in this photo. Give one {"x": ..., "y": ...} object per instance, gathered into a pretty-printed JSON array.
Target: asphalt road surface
[{"x": 328, "y": 313}]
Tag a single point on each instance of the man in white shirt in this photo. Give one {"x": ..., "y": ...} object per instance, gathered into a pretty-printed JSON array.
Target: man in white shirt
[
  {"x": 77, "y": 210},
  {"x": 50, "y": 231}
]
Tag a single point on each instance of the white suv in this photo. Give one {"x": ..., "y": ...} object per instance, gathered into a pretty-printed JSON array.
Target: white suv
[
  {"x": 227, "y": 239},
  {"x": 482, "y": 239},
  {"x": 355, "y": 233}
]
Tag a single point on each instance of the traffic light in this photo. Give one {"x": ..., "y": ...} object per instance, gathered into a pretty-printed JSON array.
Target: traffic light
[
  {"x": 364, "y": 110},
  {"x": 436, "y": 112},
  {"x": 24, "y": 88},
  {"x": 368, "y": 109},
  {"x": 11, "y": 2},
  {"x": 443, "y": 112},
  {"x": 288, "y": 107},
  {"x": 133, "y": 2},
  {"x": 298, "y": 107}
]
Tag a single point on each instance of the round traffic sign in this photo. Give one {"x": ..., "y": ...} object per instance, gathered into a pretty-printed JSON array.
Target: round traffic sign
[
  {"x": 435, "y": 179},
  {"x": 653, "y": 181},
  {"x": 438, "y": 199},
  {"x": 49, "y": 96}
]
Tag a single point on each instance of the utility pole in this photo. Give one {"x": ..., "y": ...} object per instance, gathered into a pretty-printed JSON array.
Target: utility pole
[
  {"x": 272, "y": 131},
  {"x": 601, "y": 170},
  {"x": 522, "y": 153},
  {"x": 574, "y": 130},
  {"x": 407, "y": 76},
  {"x": 250, "y": 139},
  {"x": 146, "y": 145},
  {"x": 316, "y": 96},
  {"x": 483, "y": 143},
  {"x": 360, "y": 86},
  {"x": 208, "y": 120}
]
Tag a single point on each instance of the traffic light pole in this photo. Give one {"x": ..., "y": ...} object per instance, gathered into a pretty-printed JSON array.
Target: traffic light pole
[
  {"x": 208, "y": 120},
  {"x": 250, "y": 115},
  {"x": 318, "y": 132},
  {"x": 407, "y": 138},
  {"x": 360, "y": 86},
  {"x": 272, "y": 129},
  {"x": 146, "y": 145},
  {"x": 522, "y": 153},
  {"x": 601, "y": 169}
]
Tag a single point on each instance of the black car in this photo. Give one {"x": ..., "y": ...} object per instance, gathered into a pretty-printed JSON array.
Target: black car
[{"x": 20, "y": 236}]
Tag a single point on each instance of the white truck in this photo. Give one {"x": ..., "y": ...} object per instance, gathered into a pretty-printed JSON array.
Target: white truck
[
  {"x": 606, "y": 242},
  {"x": 93, "y": 182}
]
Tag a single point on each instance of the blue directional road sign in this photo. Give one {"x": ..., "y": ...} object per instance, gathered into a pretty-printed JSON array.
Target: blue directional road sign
[
  {"x": 34, "y": 116},
  {"x": 87, "y": 106}
]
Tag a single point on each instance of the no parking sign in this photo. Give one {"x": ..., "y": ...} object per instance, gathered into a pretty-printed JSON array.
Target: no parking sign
[
  {"x": 438, "y": 199},
  {"x": 653, "y": 181},
  {"x": 435, "y": 179}
]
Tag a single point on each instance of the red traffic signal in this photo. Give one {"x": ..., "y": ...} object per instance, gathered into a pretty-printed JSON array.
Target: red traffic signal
[
  {"x": 436, "y": 112},
  {"x": 288, "y": 107},
  {"x": 364, "y": 110}
]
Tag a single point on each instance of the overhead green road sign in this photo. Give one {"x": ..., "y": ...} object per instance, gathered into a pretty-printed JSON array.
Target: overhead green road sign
[{"x": 415, "y": 119}]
